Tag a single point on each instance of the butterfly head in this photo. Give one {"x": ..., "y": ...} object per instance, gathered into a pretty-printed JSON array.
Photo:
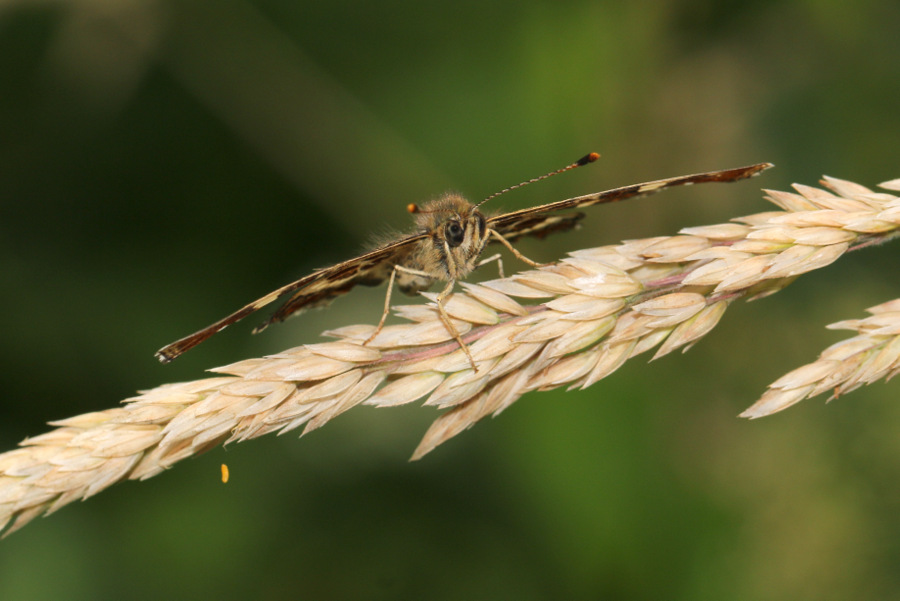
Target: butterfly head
[
  {"x": 450, "y": 218},
  {"x": 455, "y": 225}
]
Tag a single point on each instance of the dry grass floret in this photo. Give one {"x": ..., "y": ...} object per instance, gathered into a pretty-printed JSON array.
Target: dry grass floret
[{"x": 570, "y": 324}]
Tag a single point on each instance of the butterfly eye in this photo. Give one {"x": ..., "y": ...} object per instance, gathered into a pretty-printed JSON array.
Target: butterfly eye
[{"x": 455, "y": 234}]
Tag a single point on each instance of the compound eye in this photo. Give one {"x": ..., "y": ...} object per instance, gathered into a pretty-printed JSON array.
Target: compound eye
[{"x": 455, "y": 234}]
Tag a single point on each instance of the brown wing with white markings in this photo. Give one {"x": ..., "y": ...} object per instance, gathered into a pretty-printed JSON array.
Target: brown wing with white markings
[
  {"x": 315, "y": 290},
  {"x": 539, "y": 225},
  {"x": 542, "y": 220}
]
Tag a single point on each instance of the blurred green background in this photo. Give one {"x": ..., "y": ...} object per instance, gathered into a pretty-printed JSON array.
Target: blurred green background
[{"x": 163, "y": 162}]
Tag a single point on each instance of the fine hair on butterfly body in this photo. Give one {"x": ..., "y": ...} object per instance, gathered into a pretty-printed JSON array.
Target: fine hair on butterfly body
[
  {"x": 447, "y": 245},
  {"x": 457, "y": 236}
]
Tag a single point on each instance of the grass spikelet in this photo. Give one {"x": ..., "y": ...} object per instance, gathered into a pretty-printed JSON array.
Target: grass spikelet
[{"x": 872, "y": 355}]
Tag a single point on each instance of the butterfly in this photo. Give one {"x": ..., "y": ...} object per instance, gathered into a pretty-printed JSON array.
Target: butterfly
[{"x": 451, "y": 234}]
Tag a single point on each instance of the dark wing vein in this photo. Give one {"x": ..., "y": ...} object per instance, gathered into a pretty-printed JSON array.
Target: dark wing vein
[
  {"x": 316, "y": 289},
  {"x": 534, "y": 221}
]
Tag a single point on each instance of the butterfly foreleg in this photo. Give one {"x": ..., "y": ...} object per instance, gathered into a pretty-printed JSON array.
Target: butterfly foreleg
[
  {"x": 513, "y": 250},
  {"x": 490, "y": 260},
  {"x": 387, "y": 297},
  {"x": 449, "y": 325}
]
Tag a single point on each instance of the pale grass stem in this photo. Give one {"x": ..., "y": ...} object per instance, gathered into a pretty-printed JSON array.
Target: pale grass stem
[{"x": 570, "y": 324}]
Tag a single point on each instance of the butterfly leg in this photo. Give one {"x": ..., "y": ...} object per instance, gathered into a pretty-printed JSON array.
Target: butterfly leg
[
  {"x": 489, "y": 260},
  {"x": 512, "y": 249},
  {"x": 449, "y": 325},
  {"x": 387, "y": 297}
]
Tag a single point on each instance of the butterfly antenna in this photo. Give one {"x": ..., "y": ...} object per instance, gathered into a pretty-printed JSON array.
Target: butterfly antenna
[{"x": 588, "y": 158}]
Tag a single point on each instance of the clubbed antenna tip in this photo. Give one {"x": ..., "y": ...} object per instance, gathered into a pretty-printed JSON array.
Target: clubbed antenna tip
[{"x": 588, "y": 158}]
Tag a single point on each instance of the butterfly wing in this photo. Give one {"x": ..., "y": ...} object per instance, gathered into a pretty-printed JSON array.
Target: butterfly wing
[
  {"x": 315, "y": 290},
  {"x": 540, "y": 221},
  {"x": 539, "y": 224}
]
